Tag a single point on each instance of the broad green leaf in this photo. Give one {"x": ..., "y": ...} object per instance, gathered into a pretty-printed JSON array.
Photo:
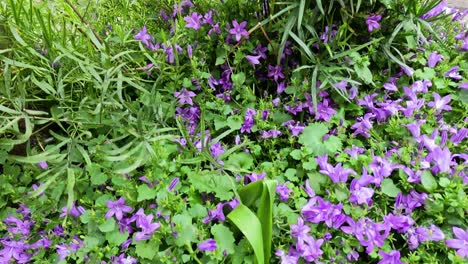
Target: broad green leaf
[
  {"x": 428, "y": 181},
  {"x": 240, "y": 160},
  {"x": 333, "y": 145},
  {"x": 247, "y": 222},
  {"x": 146, "y": 250},
  {"x": 108, "y": 225},
  {"x": 212, "y": 182},
  {"x": 389, "y": 188},
  {"x": 146, "y": 193},
  {"x": 224, "y": 238},
  {"x": 238, "y": 79},
  {"x": 250, "y": 193},
  {"x": 187, "y": 230},
  {"x": 116, "y": 238}
]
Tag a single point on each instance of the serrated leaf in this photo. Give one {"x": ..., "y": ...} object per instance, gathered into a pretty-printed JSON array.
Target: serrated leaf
[
  {"x": 389, "y": 188},
  {"x": 333, "y": 144},
  {"x": 296, "y": 154},
  {"x": 146, "y": 250},
  {"x": 212, "y": 182},
  {"x": 107, "y": 226},
  {"x": 224, "y": 238},
  {"x": 428, "y": 181},
  {"x": 312, "y": 136},
  {"x": 240, "y": 160},
  {"x": 146, "y": 193},
  {"x": 116, "y": 238},
  {"x": 187, "y": 230}
]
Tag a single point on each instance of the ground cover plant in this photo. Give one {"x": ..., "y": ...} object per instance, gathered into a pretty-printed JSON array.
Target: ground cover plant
[{"x": 233, "y": 132}]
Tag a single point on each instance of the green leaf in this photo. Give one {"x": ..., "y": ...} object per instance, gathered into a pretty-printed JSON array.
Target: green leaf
[
  {"x": 146, "y": 193},
  {"x": 312, "y": 136},
  {"x": 296, "y": 154},
  {"x": 108, "y": 225},
  {"x": 426, "y": 74},
  {"x": 212, "y": 182},
  {"x": 187, "y": 230},
  {"x": 198, "y": 210},
  {"x": 333, "y": 144},
  {"x": 428, "y": 181},
  {"x": 146, "y": 250},
  {"x": 265, "y": 215},
  {"x": 240, "y": 160},
  {"x": 238, "y": 79},
  {"x": 224, "y": 238},
  {"x": 97, "y": 177},
  {"x": 116, "y": 238},
  {"x": 389, "y": 188},
  {"x": 247, "y": 222},
  {"x": 290, "y": 174}
]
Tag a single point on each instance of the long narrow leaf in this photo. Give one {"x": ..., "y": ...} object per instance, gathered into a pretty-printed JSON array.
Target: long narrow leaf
[{"x": 250, "y": 226}]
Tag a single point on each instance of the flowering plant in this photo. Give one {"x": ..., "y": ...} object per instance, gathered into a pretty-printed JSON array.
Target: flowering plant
[{"x": 228, "y": 131}]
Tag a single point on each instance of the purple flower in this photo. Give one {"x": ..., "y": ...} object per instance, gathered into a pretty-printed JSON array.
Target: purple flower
[
  {"x": 458, "y": 137},
  {"x": 461, "y": 243},
  {"x": 400, "y": 223},
  {"x": 248, "y": 120},
  {"x": 117, "y": 208},
  {"x": 173, "y": 184},
  {"x": 310, "y": 248},
  {"x": 124, "y": 260},
  {"x": 238, "y": 30},
  {"x": 390, "y": 258},
  {"x": 337, "y": 174},
  {"x": 272, "y": 133},
  {"x": 360, "y": 195},
  {"x": 442, "y": 158},
  {"x": 439, "y": 103},
  {"x": 434, "y": 58},
  {"x": 276, "y": 72},
  {"x": 363, "y": 125},
  {"x": 286, "y": 258},
  {"x": 453, "y": 73},
  {"x": 390, "y": 86},
  {"x": 300, "y": 231},
  {"x": 74, "y": 211},
  {"x": 372, "y": 22},
  {"x": 145, "y": 222},
  {"x": 283, "y": 191},
  {"x": 18, "y": 226},
  {"x": 354, "y": 151},
  {"x": 433, "y": 233},
  {"x": 368, "y": 233},
  {"x": 435, "y": 11},
  {"x": 254, "y": 60},
  {"x": 43, "y": 165},
  {"x": 207, "y": 245},
  {"x": 143, "y": 36},
  {"x": 185, "y": 96},
  {"x": 318, "y": 210},
  {"x": 216, "y": 150},
  {"x": 14, "y": 250},
  {"x": 193, "y": 21}
]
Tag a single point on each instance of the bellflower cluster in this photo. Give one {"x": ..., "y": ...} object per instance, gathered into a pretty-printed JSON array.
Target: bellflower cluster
[
  {"x": 337, "y": 174},
  {"x": 248, "y": 121},
  {"x": 368, "y": 233},
  {"x": 74, "y": 211},
  {"x": 218, "y": 214},
  {"x": 372, "y": 22},
  {"x": 318, "y": 210}
]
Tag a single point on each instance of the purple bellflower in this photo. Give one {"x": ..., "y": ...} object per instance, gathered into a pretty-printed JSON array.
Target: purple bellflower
[
  {"x": 372, "y": 22},
  {"x": 434, "y": 58},
  {"x": 117, "y": 208},
  {"x": 460, "y": 242},
  {"x": 207, "y": 245},
  {"x": 184, "y": 96},
  {"x": 453, "y": 73},
  {"x": 390, "y": 258},
  {"x": 193, "y": 21},
  {"x": 238, "y": 30}
]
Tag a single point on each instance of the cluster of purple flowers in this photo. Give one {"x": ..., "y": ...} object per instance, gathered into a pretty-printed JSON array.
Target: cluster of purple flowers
[
  {"x": 218, "y": 213},
  {"x": 144, "y": 222}
]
